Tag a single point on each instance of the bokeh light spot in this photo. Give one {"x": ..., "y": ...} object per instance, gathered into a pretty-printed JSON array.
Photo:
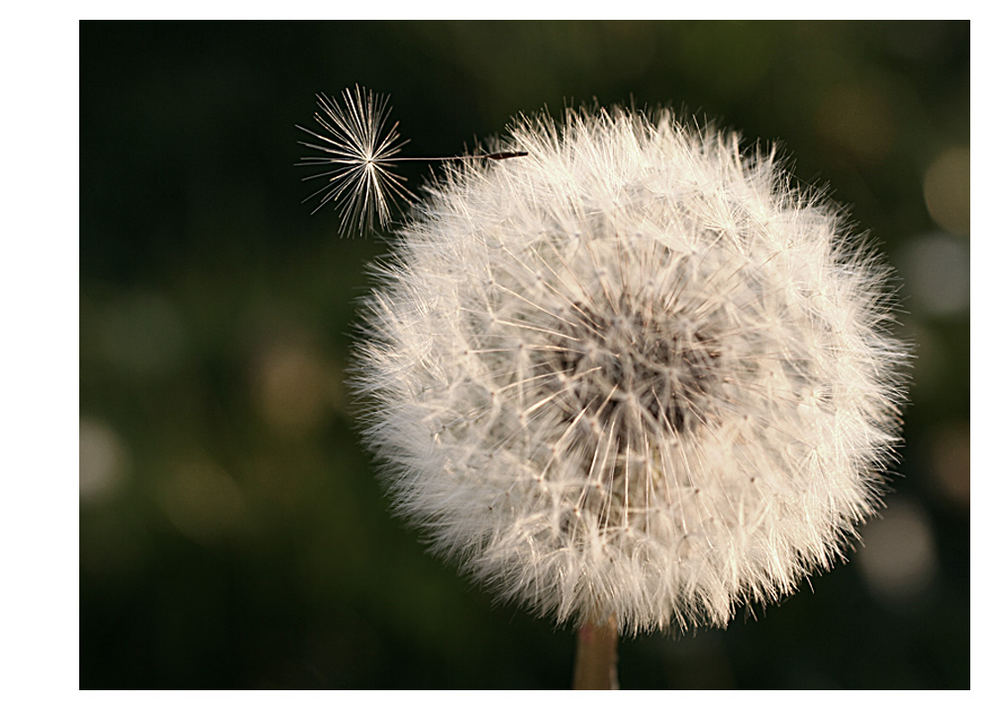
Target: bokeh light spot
[
  {"x": 143, "y": 335},
  {"x": 950, "y": 463},
  {"x": 856, "y": 119},
  {"x": 202, "y": 501},
  {"x": 935, "y": 271},
  {"x": 103, "y": 460},
  {"x": 947, "y": 190},
  {"x": 899, "y": 558},
  {"x": 294, "y": 389}
]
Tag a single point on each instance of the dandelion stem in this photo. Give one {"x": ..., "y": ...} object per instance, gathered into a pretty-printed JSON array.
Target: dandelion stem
[{"x": 597, "y": 656}]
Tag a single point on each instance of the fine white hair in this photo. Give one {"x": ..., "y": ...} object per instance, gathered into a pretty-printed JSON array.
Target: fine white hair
[{"x": 636, "y": 372}]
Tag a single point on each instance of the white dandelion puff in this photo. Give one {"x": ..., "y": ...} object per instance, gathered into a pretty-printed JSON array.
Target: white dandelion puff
[{"x": 633, "y": 374}]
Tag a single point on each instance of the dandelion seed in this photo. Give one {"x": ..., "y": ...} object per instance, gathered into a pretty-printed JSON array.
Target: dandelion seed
[
  {"x": 634, "y": 375},
  {"x": 360, "y": 145},
  {"x": 363, "y": 150}
]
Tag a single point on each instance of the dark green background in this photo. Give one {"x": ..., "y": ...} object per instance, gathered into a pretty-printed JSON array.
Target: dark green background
[{"x": 232, "y": 533}]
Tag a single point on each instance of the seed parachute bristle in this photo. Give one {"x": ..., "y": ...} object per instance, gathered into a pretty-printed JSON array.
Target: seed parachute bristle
[
  {"x": 363, "y": 150},
  {"x": 359, "y": 145}
]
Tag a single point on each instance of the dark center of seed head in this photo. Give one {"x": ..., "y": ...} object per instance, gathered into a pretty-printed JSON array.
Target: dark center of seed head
[{"x": 649, "y": 369}]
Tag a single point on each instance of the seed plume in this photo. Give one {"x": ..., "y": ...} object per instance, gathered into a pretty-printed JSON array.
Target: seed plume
[{"x": 362, "y": 150}]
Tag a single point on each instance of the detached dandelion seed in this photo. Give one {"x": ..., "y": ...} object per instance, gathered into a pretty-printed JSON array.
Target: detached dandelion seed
[
  {"x": 363, "y": 150},
  {"x": 634, "y": 376},
  {"x": 360, "y": 145}
]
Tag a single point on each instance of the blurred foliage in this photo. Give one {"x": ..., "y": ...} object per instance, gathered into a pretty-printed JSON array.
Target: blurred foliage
[{"x": 232, "y": 531}]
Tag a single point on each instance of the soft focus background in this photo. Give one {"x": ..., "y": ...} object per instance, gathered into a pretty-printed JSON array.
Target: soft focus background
[{"x": 232, "y": 534}]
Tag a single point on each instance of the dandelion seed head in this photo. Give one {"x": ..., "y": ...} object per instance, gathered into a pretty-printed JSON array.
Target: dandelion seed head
[{"x": 635, "y": 372}]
